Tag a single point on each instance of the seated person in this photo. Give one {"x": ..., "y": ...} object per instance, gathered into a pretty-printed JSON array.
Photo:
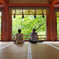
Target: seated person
[
  {"x": 34, "y": 37},
  {"x": 19, "y": 37}
]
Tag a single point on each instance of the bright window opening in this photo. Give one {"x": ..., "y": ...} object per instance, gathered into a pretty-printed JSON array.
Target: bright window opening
[
  {"x": 0, "y": 25},
  {"x": 57, "y": 14},
  {"x": 28, "y": 22}
]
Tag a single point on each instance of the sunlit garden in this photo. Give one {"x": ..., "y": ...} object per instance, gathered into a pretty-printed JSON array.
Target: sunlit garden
[
  {"x": 57, "y": 25},
  {"x": 0, "y": 25},
  {"x": 28, "y": 22}
]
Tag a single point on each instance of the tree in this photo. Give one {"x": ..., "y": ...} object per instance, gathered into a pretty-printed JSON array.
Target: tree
[{"x": 27, "y": 23}]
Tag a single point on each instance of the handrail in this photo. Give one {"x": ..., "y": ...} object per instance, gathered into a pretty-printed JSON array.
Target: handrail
[
  {"x": 0, "y": 36},
  {"x": 29, "y": 35},
  {"x": 58, "y": 37},
  {"x": 38, "y": 35}
]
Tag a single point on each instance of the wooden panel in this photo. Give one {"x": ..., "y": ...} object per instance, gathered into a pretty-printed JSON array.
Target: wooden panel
[
  {"x": 57, "y": 3},
  {"x": 4, "y": 28},
  {"x": 51, "y": 1},
  {"x": 28, "y": 5},
  {"x": 48, "y": 27},
  {"x": 29, "y": 1},
  {"x": 53, "y": 31},
  {"x": 6, "y": 25},
  {"x": 58, "y": 0},
  {"x": 10, "y": 25},
  {"x": 0, "y": 3},
  {"x": 54, "y": 2},
  {"x": 1, "y": 8},
  {"x": 6, "y": 1}
]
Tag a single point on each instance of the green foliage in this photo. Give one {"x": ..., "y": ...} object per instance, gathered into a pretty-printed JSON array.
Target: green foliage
[
  {"x": 29, "y": 11},
  {"x": 58, "y": 27},
  {"x": 0, "y": 27},
  {"x": 27, "y": 23},
  {"x": 57, "y": 14}
]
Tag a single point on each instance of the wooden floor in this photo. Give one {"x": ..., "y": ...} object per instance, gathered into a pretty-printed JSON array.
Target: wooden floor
[{"x": 45, "y": 50}]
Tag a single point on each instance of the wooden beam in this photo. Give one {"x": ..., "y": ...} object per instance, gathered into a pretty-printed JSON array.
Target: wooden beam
[
  {"x": 0, "y": 0},
  {"x": 0, "y": 3},
  {"x": 1, "y": 7},
  {"x": 54, "y": 2},
  {"x": 4, "y": 23},
  {"x": 57, "y": 3},
  {"x": 56, "y": 7},
  {"x": 51, "y": 1},
  {"x": 53, "y": 31},
  {"x": 3, "y": 2},
  {"x": 28, "y": 5},
  {"x": 6, "y": 1}
]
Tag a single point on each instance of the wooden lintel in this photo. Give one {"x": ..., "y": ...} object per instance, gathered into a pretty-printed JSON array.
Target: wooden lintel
[
  {"x": 57, "y": 3},
  {"x": 2, "y": 2},
  {"x": 28, "y": 5},
  {"x": 51, "y": 1},
  {"x": 56, "y": 7},
  {"x": 6, "y": 1},
  {"x": 54, "y": 2},
  {"x": 1, "y": 7}
]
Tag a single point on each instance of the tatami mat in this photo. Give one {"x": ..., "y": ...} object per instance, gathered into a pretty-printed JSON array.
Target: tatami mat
[
  {"x": 54, "y": 44},
  {"x": 2, "y": 44},
  {"x": 14, "y": 51},
  {"x": 28, "y": 51},
  {"x": 44, "y": 51}
]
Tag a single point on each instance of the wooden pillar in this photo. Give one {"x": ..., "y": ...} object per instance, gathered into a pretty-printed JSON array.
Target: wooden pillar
[
  {"x": 10, "y": 25},
  {"x": 6, "y": 1},
  {"x": 53, "y": 31},
  {"x": 51, "y": 1},
  {"x": 55, "y": 24},
  {"x": 48, "y": 28},
  {"x": 4, "y": 24}
]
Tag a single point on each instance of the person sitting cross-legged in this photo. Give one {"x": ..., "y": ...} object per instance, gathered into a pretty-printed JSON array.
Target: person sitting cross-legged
[
  {"x": 34, "y": 37},
  {"x": 19, "y": 37}
]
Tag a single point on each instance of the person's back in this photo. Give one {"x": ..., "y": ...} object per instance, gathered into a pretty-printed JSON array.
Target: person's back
[
  {"x": 34, "y": 37},
  {"x": 19, "y": 37}
]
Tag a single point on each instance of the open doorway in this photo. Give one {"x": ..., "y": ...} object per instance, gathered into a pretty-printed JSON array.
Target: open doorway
[
  {"x": 57, "y": 18},
  {"x": 27, "y": 23},
  {"x": 0, "y": 25}
]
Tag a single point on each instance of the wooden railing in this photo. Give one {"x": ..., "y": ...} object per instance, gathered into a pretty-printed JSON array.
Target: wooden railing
[
  {"x": 57, "y": 37},
  {"x": 39, "y": 37},
  {"x": 0, "y": 36},
  {"x": 29, "y": 37}
]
